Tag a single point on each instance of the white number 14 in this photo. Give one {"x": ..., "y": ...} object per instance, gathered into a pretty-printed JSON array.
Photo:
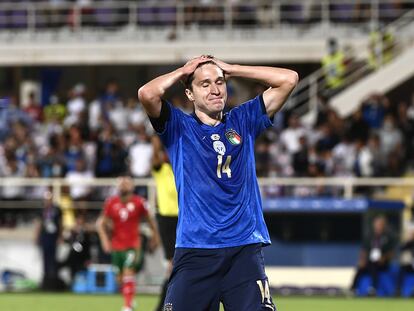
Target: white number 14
[{"x": 225, "y": 169}]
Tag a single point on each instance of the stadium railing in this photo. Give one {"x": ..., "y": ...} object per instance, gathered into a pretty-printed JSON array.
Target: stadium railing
[
  {"x": 346, "y": 186},
  {"x": 306, "y": 95},
  {"x": 38, "y": 16}
]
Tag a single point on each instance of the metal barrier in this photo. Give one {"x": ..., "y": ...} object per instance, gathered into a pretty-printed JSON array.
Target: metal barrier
[
  {"x": 38, "y": 16},
  {"x": 306, "y": 95},
  {"x": 347, "y": 185}
]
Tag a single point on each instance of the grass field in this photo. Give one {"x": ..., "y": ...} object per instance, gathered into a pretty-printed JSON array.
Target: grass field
[{"x": 70, "y": 302}]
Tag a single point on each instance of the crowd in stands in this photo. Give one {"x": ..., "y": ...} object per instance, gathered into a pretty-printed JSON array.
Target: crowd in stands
[
  {"x": 80, "y": 139},
  {"x": 106, "y": 13}
]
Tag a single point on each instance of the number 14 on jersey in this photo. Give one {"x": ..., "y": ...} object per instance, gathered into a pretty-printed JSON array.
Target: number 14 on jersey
[{"x": 223, "y": 169}]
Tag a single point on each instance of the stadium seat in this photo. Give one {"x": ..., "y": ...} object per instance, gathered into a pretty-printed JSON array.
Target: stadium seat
[
  {"x": 407, "y": 286},
  {"x": 101, "y": 279},
  {"x": 387, "y": 284},
  {"x": 80, "y": 284},
  {"x": 363, "y": 286}
]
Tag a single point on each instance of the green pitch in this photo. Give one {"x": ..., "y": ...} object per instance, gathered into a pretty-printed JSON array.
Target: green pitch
[{"x": 71, "y": 302}]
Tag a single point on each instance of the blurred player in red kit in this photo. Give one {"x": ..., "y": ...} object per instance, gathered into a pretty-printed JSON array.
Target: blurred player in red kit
[{"x": 123, "y": 214}]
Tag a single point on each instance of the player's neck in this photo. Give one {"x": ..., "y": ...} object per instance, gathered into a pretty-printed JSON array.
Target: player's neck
[
  {"x": 125, "y": 197},
  {"x": 212, "y": 119}
]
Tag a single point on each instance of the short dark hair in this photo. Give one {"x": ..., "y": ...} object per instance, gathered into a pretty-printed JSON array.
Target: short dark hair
[{"x": 188, "y": 82}]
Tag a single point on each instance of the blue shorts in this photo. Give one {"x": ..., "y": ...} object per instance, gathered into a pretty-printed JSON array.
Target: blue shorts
[{"x": 201, "y": 278}]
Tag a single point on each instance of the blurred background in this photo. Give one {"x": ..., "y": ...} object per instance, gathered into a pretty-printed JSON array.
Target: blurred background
[{"x": 336, "y": 170}]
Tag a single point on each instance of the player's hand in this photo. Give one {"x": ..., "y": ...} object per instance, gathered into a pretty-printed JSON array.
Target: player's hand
[
  {"x": 192, "y": 64},
  {"x": 154, "y": 242},
  {"x": 227, "y": 68},
  {"x": 106, "y": 246}
]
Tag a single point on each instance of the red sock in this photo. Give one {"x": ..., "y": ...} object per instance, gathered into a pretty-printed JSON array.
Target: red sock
[{"x": 128, "y": 290}]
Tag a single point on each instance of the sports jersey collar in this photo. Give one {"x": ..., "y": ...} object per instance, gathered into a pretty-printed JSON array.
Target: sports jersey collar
[{"x": 223, "y": 119}]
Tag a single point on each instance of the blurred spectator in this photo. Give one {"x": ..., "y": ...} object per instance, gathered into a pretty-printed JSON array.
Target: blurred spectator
[
  {"x": 364, "y": 160},
  {"x": 75, "y": 105},
  {"x": 47, "y": 234},
  {"x": 407, "y": 257},
  {"x": 358, "y": 127},
  {"x": 110, "y": 155},
  {"x": 333, "y": 66},
  {"x": 373, "y": 110},
  {"x": 390, "y": 136},
  {"x": 55, "y": 112},
  {"x": 377, "y": 252},
  {"x": 33, "y": 108},
  {"x": 9, "y": 114},
  {"x": 381, "y": 48},
  {"x": 12, "y": 168},
  {"x": 406, "y": 126},
  {"x": 52, "y": 163},
  {"x": 74, "y": 148},
  {"x": 109, "y": 99},
  {"x": 79, "y": 241},
  {"x": 78, "y": 190},
  {"x": 301, "y": 158},
  {"x": 140, "y": 154},
  {"x": 290, "y": 136},
  {"x": 343, "y": 156}
]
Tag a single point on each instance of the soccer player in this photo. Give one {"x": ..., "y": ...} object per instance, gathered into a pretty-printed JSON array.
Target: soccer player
[
  {"x": 221, "y": 228},
  {"x": 167, "y": 202},
  {"x": 124, "y": 212}
]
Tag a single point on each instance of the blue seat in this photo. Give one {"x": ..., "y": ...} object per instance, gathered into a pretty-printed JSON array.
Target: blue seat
[
  {"x": 387, "y": 284},
  {"x": 363, "y": 286},
  {"x": 80, "y": 283},
  {"x": 386, "y": 287},
  {"x": 407, "y": 286},
  {"x": 101, "y": 279}
]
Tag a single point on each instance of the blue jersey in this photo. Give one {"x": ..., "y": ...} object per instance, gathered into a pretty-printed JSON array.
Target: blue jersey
[{"x": 214, "y": 167}]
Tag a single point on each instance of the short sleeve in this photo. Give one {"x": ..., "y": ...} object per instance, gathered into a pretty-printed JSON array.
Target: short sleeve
[
  {"x": 253, "y": 114},
  {"x": 143, "y": 206},
  {"x": 172, "y": 127}
]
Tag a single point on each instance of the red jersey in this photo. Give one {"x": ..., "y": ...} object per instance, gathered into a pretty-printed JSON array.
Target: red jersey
[{"x": 125, "y": 218}]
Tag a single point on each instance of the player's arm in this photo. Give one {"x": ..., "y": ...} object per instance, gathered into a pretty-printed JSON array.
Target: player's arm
[
  {"x": 150, "y": 95},
  {"x": 280, "y": 81},
  {"x": 155, "y": 236},
  {"x": 102, "y": 224}
]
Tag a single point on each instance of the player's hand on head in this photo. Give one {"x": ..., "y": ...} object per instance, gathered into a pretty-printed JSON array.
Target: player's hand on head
[
  {"x": 192, "y": 64},
  {"x": 227, "y": 68}
]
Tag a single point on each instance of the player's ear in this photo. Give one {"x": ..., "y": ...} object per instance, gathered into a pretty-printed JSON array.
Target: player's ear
[{"x": 189, "y": 94}]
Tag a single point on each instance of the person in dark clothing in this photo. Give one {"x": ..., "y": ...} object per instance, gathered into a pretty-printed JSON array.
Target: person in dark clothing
[
  {"x": 48, "y": 232},
  {"x": 78, "y": 239},
  {"x": 407, "y": 258},
  {"x": 376, "y": 253}
]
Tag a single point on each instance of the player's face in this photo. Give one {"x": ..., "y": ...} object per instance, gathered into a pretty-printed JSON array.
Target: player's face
[
  {"x": 125, "y": 186},
  {"x": 209, "y": 93}
]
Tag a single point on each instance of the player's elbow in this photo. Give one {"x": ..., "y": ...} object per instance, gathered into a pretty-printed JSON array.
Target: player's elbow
[
  {"x": 144, "y": 94},
  {"x": 291, "y": 79}
]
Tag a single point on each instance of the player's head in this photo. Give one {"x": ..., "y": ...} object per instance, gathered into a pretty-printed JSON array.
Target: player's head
[
  {"x": 206, "y": 88},
  {"x": 125, "y": 185}
]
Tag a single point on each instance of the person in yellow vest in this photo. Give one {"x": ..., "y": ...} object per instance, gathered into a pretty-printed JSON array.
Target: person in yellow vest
[
  {"x": 381, "y": 48},
  {"x": 333, "y": 66},
  {"x": 55, "y": 111},
  {"x": 167, "y": 202}
]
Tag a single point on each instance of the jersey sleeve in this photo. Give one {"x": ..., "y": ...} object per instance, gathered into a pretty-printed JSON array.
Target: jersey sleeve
[
  {"x": 142, "y": 205},
  {"x": 254, "y": 116},
  {"x": 168, "y": 125}
]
